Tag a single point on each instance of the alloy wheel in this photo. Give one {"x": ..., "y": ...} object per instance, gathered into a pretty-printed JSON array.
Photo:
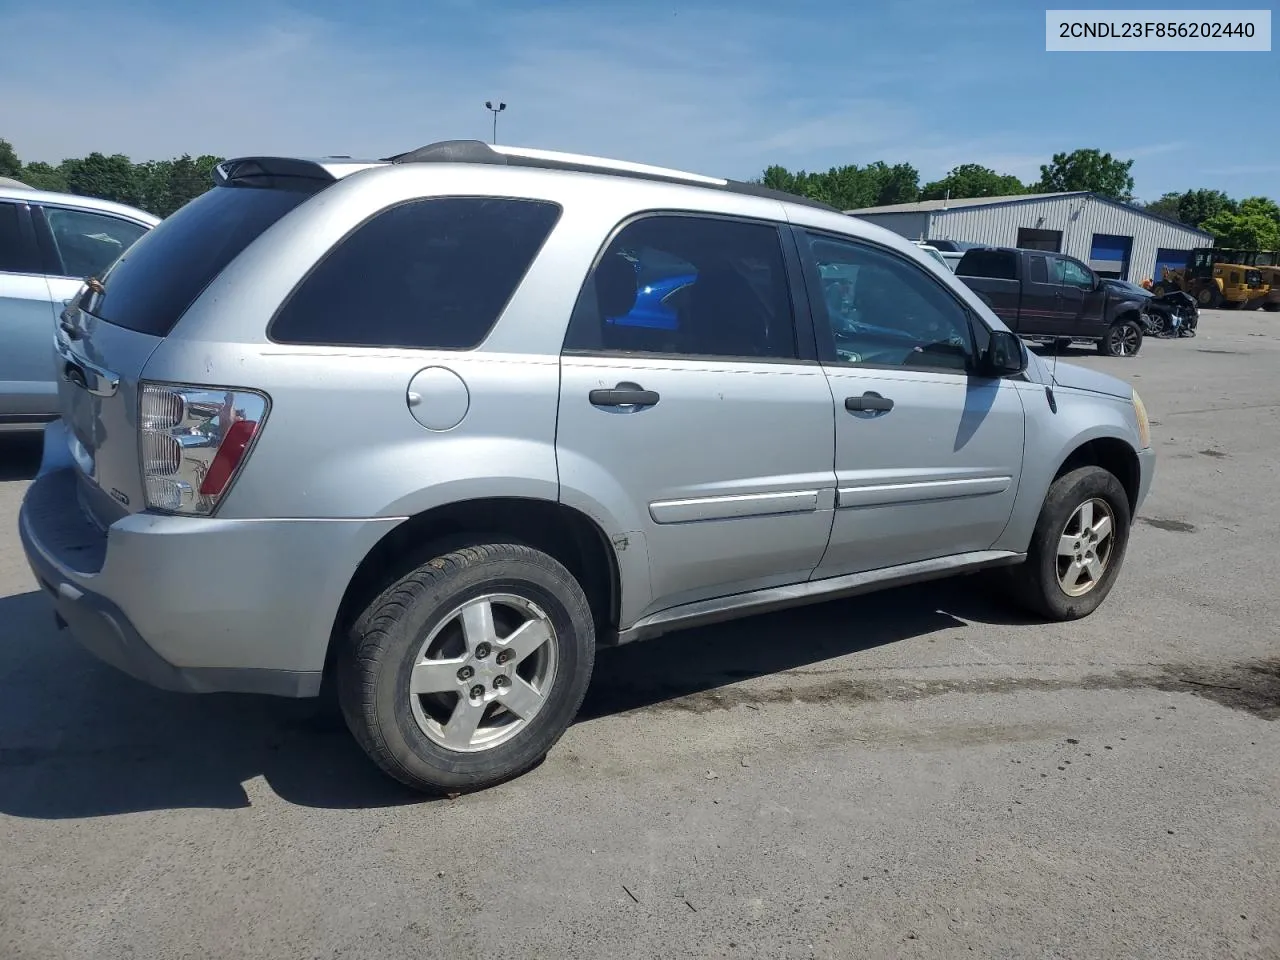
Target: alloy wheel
[
  {"x": 1085, "y": 546},
  {"x": 483, "y": 673}
]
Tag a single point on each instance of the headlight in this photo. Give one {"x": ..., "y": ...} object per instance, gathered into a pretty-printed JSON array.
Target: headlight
[{"x": 1144, "y": 425}]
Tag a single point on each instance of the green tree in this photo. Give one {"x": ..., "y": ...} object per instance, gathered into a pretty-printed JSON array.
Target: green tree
[
  {"x": 10, "y": 165},
  {"x": 1197, "y": 206},
  {"x": 849, "y": 187},
  {"x": 152, "y": 183},
  {"x": 188, "y": 179},
  {"x": 1254, "y": 225},
  {"x": 1166, "y": 206},
  {"x": 972, "y": 180},
  {"x": 111, "y": 178},
  {"x": 1088, "y": 170},
  {"x": 44, "y": 176},
  {"x": 899, "y": 183}
]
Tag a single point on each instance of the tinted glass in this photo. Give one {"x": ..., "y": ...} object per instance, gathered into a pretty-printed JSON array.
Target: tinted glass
[
  {"x": 1037, "y": 272},
  {"x": 689, "y": 286},
  {"x": 430, "y": 274},
  {"x": 152, "y": 285},
  {"x": 16, "y": 256},
  {"x": 884, "y": 310},
  {"x": 87, "y": 243},
  {"x": 995, "y": 264}
]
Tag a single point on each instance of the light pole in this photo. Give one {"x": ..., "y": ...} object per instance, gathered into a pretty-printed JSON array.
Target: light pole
[{"x": 488, "y": 105}]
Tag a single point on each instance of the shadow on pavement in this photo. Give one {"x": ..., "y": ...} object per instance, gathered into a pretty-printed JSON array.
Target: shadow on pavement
[
  {"x": 20, "y": 455},
  {"x": 78, "y": 739}
]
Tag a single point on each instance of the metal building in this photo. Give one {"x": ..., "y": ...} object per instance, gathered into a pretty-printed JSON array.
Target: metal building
[{"x": 1115, "y": 239}]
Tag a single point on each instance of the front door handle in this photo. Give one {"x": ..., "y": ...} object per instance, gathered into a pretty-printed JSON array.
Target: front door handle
[
  {"x": 868, "y": 401},
  {"x": 623, "y": 395}
]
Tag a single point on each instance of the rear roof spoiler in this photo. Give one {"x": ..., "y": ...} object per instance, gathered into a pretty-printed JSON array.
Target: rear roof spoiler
[{"x": 280, "y": 171}]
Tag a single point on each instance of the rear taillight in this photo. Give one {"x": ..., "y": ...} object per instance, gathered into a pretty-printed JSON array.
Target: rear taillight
[{"x": 193, "y": 441}]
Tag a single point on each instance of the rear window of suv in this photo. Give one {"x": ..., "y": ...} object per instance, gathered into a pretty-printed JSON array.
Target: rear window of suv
[
  {"x": 994, "y": 264},
  {"x": 152, "y": 284},
  {"x": 429, "y": 274}
]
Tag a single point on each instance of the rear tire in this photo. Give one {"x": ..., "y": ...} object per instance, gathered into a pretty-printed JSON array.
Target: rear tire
[
  {"x": 437, "y": 685},
  {"x": 1037, "y": 584},
  {"x": 1271, "y": 306},
  {"x": 1123, "y": 339}
]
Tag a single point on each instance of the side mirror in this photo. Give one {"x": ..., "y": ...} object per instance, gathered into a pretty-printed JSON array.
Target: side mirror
[{"x": 1004, "y": 356}]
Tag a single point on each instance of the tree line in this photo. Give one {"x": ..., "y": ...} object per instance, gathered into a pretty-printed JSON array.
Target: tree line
[
  {"x": 1252, "y": 223},
  {"x": 162, "y": 186},
  {"x": 157, "y": 186}
]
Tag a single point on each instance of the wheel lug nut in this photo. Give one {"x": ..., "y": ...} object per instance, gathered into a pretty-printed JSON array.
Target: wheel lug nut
[
  {"x": 482, "y": 651},
  {"x": 466, "y": 673},
  {"x": 499, "y": 682},
  {"x": 477, "y": 691},
  {"x": 504, "y": 656}
]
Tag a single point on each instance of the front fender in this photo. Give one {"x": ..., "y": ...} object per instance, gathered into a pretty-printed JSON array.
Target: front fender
[
  {"x": 1120, "y": 308},
  {"x": 1051, "y": 438}
]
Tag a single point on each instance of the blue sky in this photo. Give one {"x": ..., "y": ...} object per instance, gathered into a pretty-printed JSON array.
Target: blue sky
[{"x": 717, "y": 88}]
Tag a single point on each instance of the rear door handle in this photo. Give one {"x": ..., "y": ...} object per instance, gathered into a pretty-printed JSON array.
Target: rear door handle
[
  {"x": 624, "y": 395},
  {"x": 868, "y": 401}
]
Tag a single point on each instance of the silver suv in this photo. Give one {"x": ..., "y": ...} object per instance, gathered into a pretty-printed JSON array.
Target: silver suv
[{"x": 437, "y": 426}]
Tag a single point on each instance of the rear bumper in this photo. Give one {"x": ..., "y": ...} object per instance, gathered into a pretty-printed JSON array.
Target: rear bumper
[{"x": 194, "y": 605}]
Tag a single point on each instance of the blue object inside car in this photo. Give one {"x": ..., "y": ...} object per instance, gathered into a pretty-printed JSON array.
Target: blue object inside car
[{"x": 654, "y": 307}]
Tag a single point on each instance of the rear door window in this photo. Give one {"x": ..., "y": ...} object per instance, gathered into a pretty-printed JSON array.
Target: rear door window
[
  {"x": 688, "y": 286},
  {"x": 428, "y": 274},
  {"x": 1037, "y": 271},
  {"x": 149, "y": 288}
]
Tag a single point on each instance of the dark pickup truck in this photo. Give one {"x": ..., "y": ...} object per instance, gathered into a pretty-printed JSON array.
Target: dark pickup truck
[{"x": 1051, "y": 298}]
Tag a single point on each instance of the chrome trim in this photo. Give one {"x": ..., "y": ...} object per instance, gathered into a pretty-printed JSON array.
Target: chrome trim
[
  {"x": 734, "y": 506},
  {"x": 703, "y": 612},
  {"x": 879, "y": 494},
  {"x": 98, "y": 381}
]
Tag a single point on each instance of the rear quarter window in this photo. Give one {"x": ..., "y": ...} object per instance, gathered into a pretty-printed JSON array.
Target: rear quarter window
[{"x": 428, "y": 274}]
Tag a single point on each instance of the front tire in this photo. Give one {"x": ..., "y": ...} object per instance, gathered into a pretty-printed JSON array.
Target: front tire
[
  {"x": 465, "y": 672},
  {"x": 1077, "y": 548},
  {"x": 1123, "y": 339},
  {"x": 1209, "y": 297}
]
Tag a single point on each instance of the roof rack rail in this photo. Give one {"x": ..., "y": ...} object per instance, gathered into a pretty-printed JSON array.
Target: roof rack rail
[{"x": 477, "y": 151}]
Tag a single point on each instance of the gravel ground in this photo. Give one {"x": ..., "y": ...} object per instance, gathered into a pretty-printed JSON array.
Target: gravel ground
[{"x": 916, "y": 774}]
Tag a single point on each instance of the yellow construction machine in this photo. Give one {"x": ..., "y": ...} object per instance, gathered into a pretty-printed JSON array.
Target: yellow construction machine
[{"x": 1217, "y": 277}]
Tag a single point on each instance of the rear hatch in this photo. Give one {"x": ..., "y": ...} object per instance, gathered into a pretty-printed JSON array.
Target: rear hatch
[{"x": 108, "y": 333}]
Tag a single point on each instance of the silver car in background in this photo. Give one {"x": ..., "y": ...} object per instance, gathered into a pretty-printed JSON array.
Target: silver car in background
[
  {"x": 431, "y": 428},
  {"x": 49, "y": 244}
]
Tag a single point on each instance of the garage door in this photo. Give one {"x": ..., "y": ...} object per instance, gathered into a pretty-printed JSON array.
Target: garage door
[
  {"x": 1168, "y": 257},
  {"x": 1109, "y": 255}
]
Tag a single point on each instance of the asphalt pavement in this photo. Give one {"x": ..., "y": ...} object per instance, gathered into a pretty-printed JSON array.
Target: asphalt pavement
[{"x": 916, "y": 774}]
